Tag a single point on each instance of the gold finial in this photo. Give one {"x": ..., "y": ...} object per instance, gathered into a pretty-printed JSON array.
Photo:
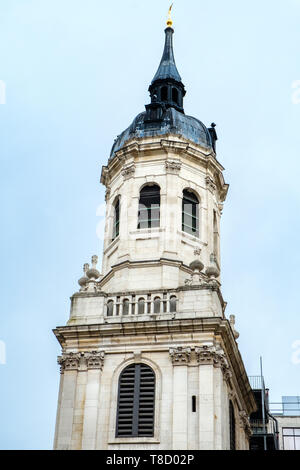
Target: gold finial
[{"x": 170, "y": 22}]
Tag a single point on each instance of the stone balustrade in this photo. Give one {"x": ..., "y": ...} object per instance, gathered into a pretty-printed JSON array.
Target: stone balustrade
[{"x": 141, "y": 304}]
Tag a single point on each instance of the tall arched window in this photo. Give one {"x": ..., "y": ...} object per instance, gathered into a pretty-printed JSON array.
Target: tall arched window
[
  {"x": 190, "y": 213},
  {"x": 116, "y": 223},
  {"x": 141, "y": 306},
  {"x": 136, "y": 402},
  {"x": 173, "y": 303},
  {"x": 231, "y": 426},
  {"x": 110, "y": 308},
  {"x": 149, "y": 207},
  {"x": 125, "y": 307},
  {"x": 157, "y": 305}
]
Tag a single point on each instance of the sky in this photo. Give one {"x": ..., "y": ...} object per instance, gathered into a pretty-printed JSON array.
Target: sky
[{"x": 73, "y": 75}]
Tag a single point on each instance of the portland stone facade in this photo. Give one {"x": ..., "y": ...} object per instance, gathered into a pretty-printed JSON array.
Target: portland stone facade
[{"x": 149, "y": 359}]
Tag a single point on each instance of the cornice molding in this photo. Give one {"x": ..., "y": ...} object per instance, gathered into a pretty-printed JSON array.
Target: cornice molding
[
  {"x": 169, "y": 144},
  {"x": 220, "y": 327}
]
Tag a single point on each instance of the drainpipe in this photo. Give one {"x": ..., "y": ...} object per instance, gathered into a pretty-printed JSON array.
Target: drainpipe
[{"x": 263, "y": 404}]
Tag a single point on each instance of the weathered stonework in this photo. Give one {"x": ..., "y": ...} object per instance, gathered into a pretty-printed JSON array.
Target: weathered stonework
[
  {"x": 173, "y": 166},
  {"x": 180, "y": 355},
  {"x": 128, "y": 171},
  {"x": 81, "y": 360},
  {"x": 158, "y": 299}
]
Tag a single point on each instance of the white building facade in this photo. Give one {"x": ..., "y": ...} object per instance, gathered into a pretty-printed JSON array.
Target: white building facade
[{"x": 149, "y": 359}]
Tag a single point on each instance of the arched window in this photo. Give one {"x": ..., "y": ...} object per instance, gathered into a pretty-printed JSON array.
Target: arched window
[
  {"x": 149, "y": 207},
  {"x": 173, "y": 303},
  {"x": 125, "y": 307},
  {"x": 136, "y": 402},
  {"x": 190, "y": 213},
  {"x": 157, "y": 305},
  {"x": 141, "y": 306},
  {"x": 164, "y": 93},
  {"x": 231, "y": 426},
  {"x": 110, "y": 308},
  {"x": 116, "y": 224},
  {"x": 175, "y": 95}
]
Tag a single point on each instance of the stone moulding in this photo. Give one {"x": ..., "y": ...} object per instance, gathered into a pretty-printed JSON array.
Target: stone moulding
[
  {"x": 205, "y": 355},
  {"x": 210, "y": 184},
  {"x": 81, "y": 360},
  {"x": 173, "y": 166},
  {"x": 180, "y": 355},
  {"x": 195, "y": 152},
  {"x": 245, "y": 423},
  {"x": 128, "y": 171},
  {"x": 216, "y": 357},
  {"x": 80, "y": 334}
]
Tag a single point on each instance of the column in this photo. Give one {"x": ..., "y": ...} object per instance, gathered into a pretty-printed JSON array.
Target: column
[
  {"x": 180, "y": 357},
  {"x": 69, "y": 365},
  {"x": 213, "y": 366},
  {"x": 206, "y": 407},
  {"x": 95, "y": 362},
  {"x": 219, "y": 440}
]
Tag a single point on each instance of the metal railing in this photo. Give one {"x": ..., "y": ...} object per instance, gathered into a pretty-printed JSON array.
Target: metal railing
[
  {"x": 256, "y": 382},
  {"x": 285, "y": 409}
]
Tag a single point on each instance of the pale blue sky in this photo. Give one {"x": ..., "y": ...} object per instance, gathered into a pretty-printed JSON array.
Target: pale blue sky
[{"x": 76, "y": 75}]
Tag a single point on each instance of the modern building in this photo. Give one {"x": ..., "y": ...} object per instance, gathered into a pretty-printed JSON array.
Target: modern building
[
  {"x": 287, "y": 415},
  {"x": 149, "y": 358}
]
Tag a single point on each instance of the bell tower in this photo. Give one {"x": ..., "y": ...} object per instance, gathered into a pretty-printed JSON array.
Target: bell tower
[{"x": 149, "y": 359}]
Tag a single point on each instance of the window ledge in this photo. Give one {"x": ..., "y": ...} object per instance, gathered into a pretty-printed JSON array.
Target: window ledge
[
  {"x": 112, "y": 244},
  {"x": 191, "y": 237},
  {"x": 134, "y": 440},
  {"x": 147, "y": 230}
]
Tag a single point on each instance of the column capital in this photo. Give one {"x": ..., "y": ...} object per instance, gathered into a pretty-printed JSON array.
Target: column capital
[
  {"x": 81, "y": 360},
  {"x": 173, "y": 166},
  {"x": 180, "y": 355},
  {"x": 216, "y": 357}
]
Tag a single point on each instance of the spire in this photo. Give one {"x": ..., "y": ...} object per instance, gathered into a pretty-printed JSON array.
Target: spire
[
  {"x": 167, "y": 67},
  {"x": 166, "y": 89}
]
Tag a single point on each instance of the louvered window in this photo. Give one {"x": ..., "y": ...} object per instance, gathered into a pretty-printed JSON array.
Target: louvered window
[{"x": 136, "y": 402}]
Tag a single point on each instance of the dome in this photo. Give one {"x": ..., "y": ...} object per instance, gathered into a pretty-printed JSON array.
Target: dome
[{"x": 173, "y": 122}]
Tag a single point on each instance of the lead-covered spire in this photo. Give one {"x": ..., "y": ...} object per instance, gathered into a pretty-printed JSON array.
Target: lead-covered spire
[
  {"x": 166, "y": 89},
  {"x": 167, "y": 68}
]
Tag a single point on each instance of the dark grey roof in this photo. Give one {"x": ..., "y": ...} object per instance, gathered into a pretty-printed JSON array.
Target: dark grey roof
[
  {"x": 167, "y": 67},
  {"x": 174, "y": 122}
]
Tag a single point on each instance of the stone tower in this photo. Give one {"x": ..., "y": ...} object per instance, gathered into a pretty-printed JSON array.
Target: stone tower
[{"x": 149, "y": 359}]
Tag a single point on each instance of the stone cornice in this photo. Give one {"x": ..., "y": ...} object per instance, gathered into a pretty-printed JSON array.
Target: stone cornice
[
  {"x": 218, "y": 326},
  {"x": 169, "y": 144}
]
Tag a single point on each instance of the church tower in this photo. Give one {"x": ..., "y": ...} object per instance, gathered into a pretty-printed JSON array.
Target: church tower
[{"x": 149, "y": 359}]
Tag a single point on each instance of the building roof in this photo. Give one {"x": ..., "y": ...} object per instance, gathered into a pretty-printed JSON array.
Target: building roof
[
  {"x": 173, "y": 122},
  {"x": 165, "y": 114}
]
